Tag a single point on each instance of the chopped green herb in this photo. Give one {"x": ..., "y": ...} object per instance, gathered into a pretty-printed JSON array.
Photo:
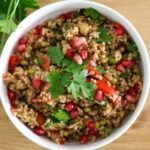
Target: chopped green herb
[
  {"x": 58, "y": 82},
  {"x": 136, "y": 54},
  {"x": 132, "y": 47},
  {"x": 101, "y": 70},
  {"x": 97, "y": 40},
  {"x": 127, "y": 74},
  {"x": 103, "y": 104},
  {"x": 105, "y": 36},
  {"x": 48, "y": 106},
  {"x": 92, "y": 13},
  {"x": 40, "y": 62},
  {"x": 61, "y": 115},
  {"x": 56, "y": 55}
]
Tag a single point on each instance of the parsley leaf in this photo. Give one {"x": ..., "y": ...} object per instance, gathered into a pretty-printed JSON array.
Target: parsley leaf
[
  {"x": 74, "y": 88},
  {"x": 79, "y": 86},
  {"x": 56, "y": 55},
  {"x": 92, "y": 13},
  {"x": 105, "y": 36},
  {"x": 88, "y": 89},
  {"x": 132, "y": 46},
  {"x": 7, "y": 26},
  {"x": 58, "y": 81},
  {"x": 61, "y": 115}
]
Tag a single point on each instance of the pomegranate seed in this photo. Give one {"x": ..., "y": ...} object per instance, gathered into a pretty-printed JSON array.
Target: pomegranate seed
[
  {"x": 83, "y": 54},
  {"x": 91, "y": 125},
  {"x": 35, "y": 100},
  {"x": 119, "y": 31},
  {"x": 92, "y": 63},
  {"x": 74, "y": 113},
  {"x": 70, "y": 106},
  {"x": 78, "y": 42},
  {"x": 12, "y": 95},
  {"x": 23, "y": 40},
  {"x": 132, "y": 92},
  {"x": 38, "y": 29},
  {"x": 138, "y": 87},
  {"x": 21, "y": 48},
  {"x": 99, "y": 96},
  {"x": 128, "y": 63},
  {"x": 92, "y": 132},
  {"x": 120, "y": 68},
  {"x": 131, "y": 99},
  {"x": 69, "y": 15},
  {"x": 38, "y": 131},
  {"x": 37, "y": 83},
  {"x": 63, "y": 16},
  {"x": 83, "y": 139},
  {"x": 117, "y": 25},
  {"x": 77, "y": 58},
  {"x": 70, "y": 53}
]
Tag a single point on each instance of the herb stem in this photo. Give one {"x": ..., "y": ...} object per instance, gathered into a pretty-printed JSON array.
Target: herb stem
[
  {"x": 9, "y": 8},
  {"x": 14, "y": 10}
]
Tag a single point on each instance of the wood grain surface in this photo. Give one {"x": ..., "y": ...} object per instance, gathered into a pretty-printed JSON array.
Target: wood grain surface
[{"x": 138, "y": 136}]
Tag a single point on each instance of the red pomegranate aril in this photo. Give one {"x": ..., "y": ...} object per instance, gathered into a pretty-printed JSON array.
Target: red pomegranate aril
[
  {"x": 92, "y": 63},
  {"x": 138, "y": 87},
  {"x": 23, "y": 40},
  {"x": 21, "y": 48},
  {"x": 78, "y": 42},
  {"x": 70, "y": 106},
  {"x": 91, "y": 124},
  {"x": 120, "y": 68},
  {"x": 117, "y": 25},
  {"x": 128, "y": 63},
  {"x": 77, "y": 58},
  {"x": 12, "y": 97},
  {"x": 69, "y": 15},
  {"x": 39, "y": 131},
  {"x": 38, "y": 29},
  {"x": 132, "y": 64},
  {"x": 132, "y": 92},
  {"x": 83, "y": 54},
  {"x": 99, "y": 96},
  {"x": 35, "y": 100},
  {"x": 93, "y": 132},
  {"x": 83, "y": 139},
  {"x": 74, "y": 113},
  {"x": 70, "y": 53},
  {"x": 119, "y": 32},
  {"x": 131, "y": 99},
  {"x": 63, "y": 16},
  {"x": 37, "y": 83}
]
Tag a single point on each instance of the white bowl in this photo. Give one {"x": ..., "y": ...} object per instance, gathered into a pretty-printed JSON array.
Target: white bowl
[{"x": 54, "y": 10}]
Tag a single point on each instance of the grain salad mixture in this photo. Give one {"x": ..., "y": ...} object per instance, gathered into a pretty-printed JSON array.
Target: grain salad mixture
[{"x": 74, "y": 77}]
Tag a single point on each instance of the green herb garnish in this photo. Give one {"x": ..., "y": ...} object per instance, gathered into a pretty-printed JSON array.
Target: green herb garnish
[
  {"x": 40, "y": 61},
  {"x": 61, "y": 115},
  {"x": 92, "y": 13},
  {"x": 101, "y": 70},
  {"x": 56, "y": 55},
  {"x": 104, "y": 35}
]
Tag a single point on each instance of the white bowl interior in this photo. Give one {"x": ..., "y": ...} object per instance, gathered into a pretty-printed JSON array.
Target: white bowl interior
[{"x": 51, "y": 11}]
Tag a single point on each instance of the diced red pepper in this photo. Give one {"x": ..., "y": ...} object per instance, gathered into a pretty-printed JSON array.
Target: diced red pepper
[
  {"x": 128, "y": 63},
  {"x": 119, "y": 29},
  {"x": 14, "y": 61}
]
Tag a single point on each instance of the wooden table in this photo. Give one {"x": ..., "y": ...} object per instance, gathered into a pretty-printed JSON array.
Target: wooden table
[{"x": 138, "y": 136}]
